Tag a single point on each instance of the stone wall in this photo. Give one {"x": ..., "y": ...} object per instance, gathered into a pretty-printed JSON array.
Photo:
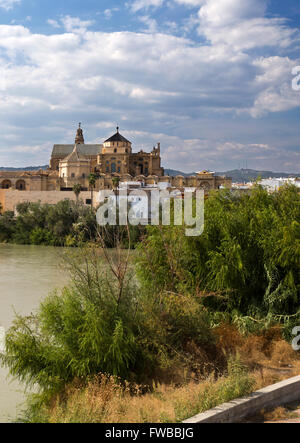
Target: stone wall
[{"x": 10, "y": 198}]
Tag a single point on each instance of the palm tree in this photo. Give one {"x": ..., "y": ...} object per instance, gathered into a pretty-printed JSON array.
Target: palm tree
[
  {"x": 116, "y": 182},
  {"x": 92, "y": 183},
  {"x": 77, "y": 190}
]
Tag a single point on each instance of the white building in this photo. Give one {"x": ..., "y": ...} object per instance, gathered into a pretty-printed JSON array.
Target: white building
[{"x": 274, "y": 184}]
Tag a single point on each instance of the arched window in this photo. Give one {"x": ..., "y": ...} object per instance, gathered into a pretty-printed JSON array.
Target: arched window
[
  {"x": 21, "y": 185},
  {"x": 6, "y": 184},
  {"x": 113, "y": 167}
]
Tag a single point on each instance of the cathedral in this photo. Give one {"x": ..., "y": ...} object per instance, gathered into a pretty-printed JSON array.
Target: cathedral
[
  {"x": 73, "y": 164},
  {"x": 114, "y": 158}
]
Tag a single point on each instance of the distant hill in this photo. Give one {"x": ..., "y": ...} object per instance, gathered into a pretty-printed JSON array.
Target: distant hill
[
  {"x": 28, "y": 168},
  {"x": 173, "y": 173},
  {"x": 239, "y": 175}
]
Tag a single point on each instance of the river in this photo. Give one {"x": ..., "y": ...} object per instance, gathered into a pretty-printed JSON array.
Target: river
[{"x": 27, "y": 275}]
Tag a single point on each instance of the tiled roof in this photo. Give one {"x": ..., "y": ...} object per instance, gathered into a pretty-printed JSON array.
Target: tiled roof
[
  {"x": 76, "y": 156},
  {"x": 117, "y": 137},
  {"x": 63, "y": 151}
]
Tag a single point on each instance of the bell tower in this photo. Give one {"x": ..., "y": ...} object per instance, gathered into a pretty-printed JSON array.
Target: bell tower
[{"x": 79, "y": 140}]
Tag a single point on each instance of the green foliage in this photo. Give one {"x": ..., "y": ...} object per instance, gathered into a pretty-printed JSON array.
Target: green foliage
[
  {"x": 248, "y": 255},
  {"x": 44, "y": 224},
  {"x": 65, "y": 224},
  {"x": 245, "y": 269},
  {"x": 7, "y": 226},
  {"x": 84, "y": 330},
  {"x": 102, "y": 323}
]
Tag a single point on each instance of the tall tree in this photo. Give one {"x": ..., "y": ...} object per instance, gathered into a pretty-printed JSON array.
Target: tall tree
[
  {"x": 77, "y": 190},
  {"x": 92, "y": 184}
]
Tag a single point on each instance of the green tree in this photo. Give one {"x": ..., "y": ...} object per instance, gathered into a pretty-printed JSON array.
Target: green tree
[
  {"x": 248, "y": 257},
  {"x": 92, "y": 184},
  {"x": 77, "y": 190}
]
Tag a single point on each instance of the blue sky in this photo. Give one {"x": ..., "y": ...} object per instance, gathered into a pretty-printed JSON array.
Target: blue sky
[{"x": 210, "y": 79}]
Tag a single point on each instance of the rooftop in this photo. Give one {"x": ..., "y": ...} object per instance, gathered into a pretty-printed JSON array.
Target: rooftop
[{"x": 117, "y": 137}]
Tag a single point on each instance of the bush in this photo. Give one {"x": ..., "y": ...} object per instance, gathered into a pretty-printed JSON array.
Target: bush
[
  {"x": 65, "y": 224},
  {"x": 247, "y": 259},
  {"x": 102, "y": 323}
]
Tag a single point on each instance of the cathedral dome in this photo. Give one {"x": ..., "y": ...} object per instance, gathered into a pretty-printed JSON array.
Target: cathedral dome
[{"x": 117, "y": 137}]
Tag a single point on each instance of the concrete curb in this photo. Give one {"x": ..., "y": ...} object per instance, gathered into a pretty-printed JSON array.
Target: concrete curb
[{"x": 286, "y": 391}]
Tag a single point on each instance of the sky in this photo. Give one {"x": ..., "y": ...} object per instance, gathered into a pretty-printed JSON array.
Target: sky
[{"x": 211, "y": 80}]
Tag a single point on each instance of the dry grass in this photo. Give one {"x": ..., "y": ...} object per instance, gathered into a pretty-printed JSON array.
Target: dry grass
[
  {"x": 277, "y": 414},
  {"x": 104, "y": 401},
  {"x": 267, "y": 357}
]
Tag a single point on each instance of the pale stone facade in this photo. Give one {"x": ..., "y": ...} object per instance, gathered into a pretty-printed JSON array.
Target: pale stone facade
[{"x": 72, "y": 164}]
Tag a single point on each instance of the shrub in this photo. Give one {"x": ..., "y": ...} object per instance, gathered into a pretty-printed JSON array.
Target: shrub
[
  {"x": 248, "y": 257},
  {"x": 102, "y": 323}
]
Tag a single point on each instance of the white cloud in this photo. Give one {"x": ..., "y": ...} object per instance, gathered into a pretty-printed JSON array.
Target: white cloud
[
  {"x": 242, "y": 25},
  {"x": 151, "y": 23},
  {"x": 74, "y": 24},
  {"x": 108, "y": 13},
  {"x": 8, "y": 4},
  {"x": 150, "y": 79},
  {"x": 229, "y": 12},
  {"x": 190, "y": 3},
  {"x": 53, "y": 23},
  {"x": 137, "y": 5}
]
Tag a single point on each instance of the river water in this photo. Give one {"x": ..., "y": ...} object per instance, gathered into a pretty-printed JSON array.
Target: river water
[{"x": 27, "y": 275}]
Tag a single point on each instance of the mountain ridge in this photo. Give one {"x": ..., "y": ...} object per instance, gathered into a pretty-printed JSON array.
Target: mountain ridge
[{"x": 240, "y": 175}]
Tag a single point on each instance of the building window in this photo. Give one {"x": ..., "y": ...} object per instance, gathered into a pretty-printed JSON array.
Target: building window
[
  {"x": 113, "y": 167},
  {"x": 115, "y": 151},
  {"x": 21, "y": 185},
  {"x": 73, "y": 175},
  {"x": 107, "y": 168},
  {"x": 83, "y": 175},
  {"x": 119, "y": 169}
]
